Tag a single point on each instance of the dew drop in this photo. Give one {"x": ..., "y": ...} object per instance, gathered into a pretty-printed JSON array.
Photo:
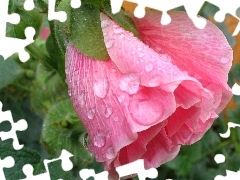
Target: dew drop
[
  {"x": 108, "y": 112},
  {"x": 224, "y": 60},
  {"x": 122, "y": 36},
  {"x": 114, "y": 70},
  {"x": 105, "y": 23},
  {"x": 141, "y": 55},
  {"x": 91, "y": 113},
  {"x": 69, "y": 92},
  {"x": 110, "y": 153},
  {"x": 155, "y": 81},
  {"x": 100, "y": 87},
  {"x": 115, "y": 118},
  {"x": 109, "y": 43},
  {"x": 133, "y": 52},
  {"x": 117, "y": 30},
  {"x": 149, "y": 67},
  {"x": 139, "y": 49},
  {"x": 99, "y": 140},
  {"x": 130, "y": 83},
  {"x": 165, "y": 58},
  {"x": 108, "y": 135},
  {"x": 81, "y": 99},
  {"x": 66, "y": 70},
  {"x": 121, "y": 98}
]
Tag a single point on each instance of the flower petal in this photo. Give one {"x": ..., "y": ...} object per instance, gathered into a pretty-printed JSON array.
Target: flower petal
[
  {"x": 204, "y": 53},
  {"x": 96, "y": 99}
]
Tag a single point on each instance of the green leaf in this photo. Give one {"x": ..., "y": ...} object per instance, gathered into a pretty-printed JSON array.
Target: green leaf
[
  {"x": 121, "y": 18},
  {"x": 9, "y": 71},
  {"x": 28, "y": 156},
  {"x": 86, "y": 32},
  {"x": 28, "y": 18},
  {"x": 21, "y": 157},
  {"x": 62, "y": 129}
]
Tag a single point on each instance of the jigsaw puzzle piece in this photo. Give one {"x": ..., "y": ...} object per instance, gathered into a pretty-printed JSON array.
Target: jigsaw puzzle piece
[
  {"x": 53, "y": 15},
  {"x": 20, "y": 125},
  {"x": 7, "y": 48},
  {"x": 192, "y": 8},
  {"x": 28, "y": 171},
  {"x": 11, "y": 18},
  {"x": 7, "y": 162},
  {"x": 87, "y": 173},
  {"x": 137, "y": 167},
  {"x": 67, "y": 165},
  {"x": 28, "y": 5}
]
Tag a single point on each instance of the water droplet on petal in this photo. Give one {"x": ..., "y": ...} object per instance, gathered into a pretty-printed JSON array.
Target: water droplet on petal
[
  {"x": 69, "y": 92},
  {"x": 141, "y": 55},
  {"x": 121, "y": 98},
  {"x": 114, "y": 70},
  {"x": 108, "y": 112},
  {"x": 115, "y": 118},
  {"x": 101, "y": 87},
  {"x": 133, "y": 52},
  {"x": 155, "y": 81},
  {"x": 224, "y": 60},
  {"x": 117, "y": 30},
  {"x": 110, "y": 153},
  {"x": 105, "y": 23},
  {"x": 91, "y": 113},
  {"x": 165, "y": 58},
  {"x": 122, "y": 36},
  {"x": 66, "y": 70},
  {"x": 81, "y": 99},
  {"x": 149, "y": 67},
  {"x": 99, "y": 140},
  {"x": 139, "y": 49},
  {"x": 130, "y": 83},
  {"x": 109, "y": 43}
]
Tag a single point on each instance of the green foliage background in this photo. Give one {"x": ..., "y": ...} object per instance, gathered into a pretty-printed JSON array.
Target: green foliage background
[{"x": 36, "y": 91}]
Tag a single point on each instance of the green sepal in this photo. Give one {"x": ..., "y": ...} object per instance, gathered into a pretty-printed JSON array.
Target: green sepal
[
  {"x": 86, "y": 33},
  {"x": 122, "y": 18}
]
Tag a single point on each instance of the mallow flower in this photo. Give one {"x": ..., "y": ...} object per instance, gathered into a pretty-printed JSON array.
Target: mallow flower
[{"x": 153, "y": 94}]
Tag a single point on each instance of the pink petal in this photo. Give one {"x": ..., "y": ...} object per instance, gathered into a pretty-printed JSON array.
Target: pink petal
[
  {"x": 95, "y": 96},
  {"x": 205, "y": 53}
]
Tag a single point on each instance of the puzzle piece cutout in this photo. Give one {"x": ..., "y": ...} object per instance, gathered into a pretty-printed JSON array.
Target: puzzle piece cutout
[
  {"x": 66, "y": 164},
  {"x": 7, "y": 162},
  {"x": 220, "y": 158},
  {"x": 230, "y": 125},
  {"x": 61, "y": 15},
  {"x": 8, "y": 45},
  {"x": 136, "y": 167},
  {"x": 20, "y": 125},
  {"x": 192, "y": 9}
]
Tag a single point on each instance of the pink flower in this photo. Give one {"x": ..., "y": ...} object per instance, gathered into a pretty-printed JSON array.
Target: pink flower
[{"x": 152, "y": 95}]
